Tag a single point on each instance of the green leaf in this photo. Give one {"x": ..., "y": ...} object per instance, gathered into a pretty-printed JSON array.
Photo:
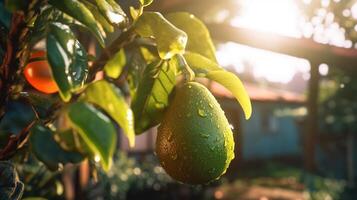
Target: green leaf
[
  {"x": 111, "y": 11},
  {"x": 233, "y": 84},
  {"x": 152, "y": 95},
  {"x": 59, "y": 63},
  {"x": 148, "y": 55},
  {"x": 200, "y": 64},
  {"x": 18, "y": 116},
  {"x": 81, "y": 13},
  {"x": 48, "y": 151},
  {"x": 170, "y": 40},
  {"x": 99, "y": 17},
  {"x": 136, "y": 65},
  {"x": 78, "y": 68},
  {"x": 199, "y": 39},
  {"x": 96, "y": 129},
  {"x": 112, "y": 101},
  {"x": 114, "y": 66},
  {"x": 135, "y": 13},
  {"x": 145, "y": 2}
]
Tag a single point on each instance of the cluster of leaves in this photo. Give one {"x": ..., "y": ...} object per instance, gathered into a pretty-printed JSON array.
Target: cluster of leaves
[
  {"x": 338, "y": 110},
  {"x": 151, "y": 53}
]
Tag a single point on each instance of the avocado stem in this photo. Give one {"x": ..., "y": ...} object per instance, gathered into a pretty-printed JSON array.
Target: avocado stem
[{"x": 188, "y": 73}]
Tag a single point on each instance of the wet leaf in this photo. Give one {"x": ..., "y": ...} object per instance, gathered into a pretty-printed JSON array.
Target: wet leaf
[
  {"x": 170, "y": 40},
  {"x": 200, "y": 64},
  {"x": 81, "y": 13},
  {"x": 152, "y": 95},
  {"x": 48, "y": 150},
  {"x": 199, "y": 40},
  {"x": 112, "y": 101},
  {"x": 111, "y": 11},
  {"x": 233, "y": 84},
  {"x": 78, "y": 67},
  {"x": 59, "y": 62},
  {"x": 114, "y": 66},
  {"x": 96, "y": 130}
]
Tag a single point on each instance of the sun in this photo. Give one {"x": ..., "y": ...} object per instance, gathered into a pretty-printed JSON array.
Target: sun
[
  {"x": 281, "y": 17},
  {"x": 276, "y": 16}
]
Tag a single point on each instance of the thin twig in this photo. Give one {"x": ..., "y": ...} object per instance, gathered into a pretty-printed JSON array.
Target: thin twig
[
  {"x": 124, "y": 38},
  {"x": 16, "y": 142}
]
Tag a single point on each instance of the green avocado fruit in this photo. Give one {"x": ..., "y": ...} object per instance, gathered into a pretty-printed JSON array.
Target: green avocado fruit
[{"x": 194, "y": 143}]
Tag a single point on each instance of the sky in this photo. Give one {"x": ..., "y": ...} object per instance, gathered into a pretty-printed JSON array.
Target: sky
[{"x": 281, "y": 17}]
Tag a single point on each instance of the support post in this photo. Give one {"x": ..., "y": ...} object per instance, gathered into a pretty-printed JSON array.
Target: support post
[{"x": 312, "y": 118}]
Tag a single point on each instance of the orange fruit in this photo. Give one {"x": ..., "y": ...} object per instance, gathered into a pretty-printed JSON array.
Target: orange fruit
[{"x": 38, "y": 74}]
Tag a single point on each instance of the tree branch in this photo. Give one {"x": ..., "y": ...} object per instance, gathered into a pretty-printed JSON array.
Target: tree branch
[
  {"x": 124, "y": 38},
  {"x": 15, "y": 142},
  {"x": 10, "y": 64}
]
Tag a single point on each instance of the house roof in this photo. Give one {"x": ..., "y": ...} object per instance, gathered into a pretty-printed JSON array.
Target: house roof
[{"x": 259, "y": 93}]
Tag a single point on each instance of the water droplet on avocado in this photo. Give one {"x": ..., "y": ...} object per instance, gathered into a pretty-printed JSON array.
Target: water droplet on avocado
[
  {"x": 202, "y": 113},
  {"x": 231, "y": 126},
  {"x": 190, "y": 86},
  {"x": 204, "y": 135},
  {"x": 210, "y": 105}
]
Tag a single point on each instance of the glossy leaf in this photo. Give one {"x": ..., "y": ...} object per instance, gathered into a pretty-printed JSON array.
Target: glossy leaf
[
  {"x": 111, "y": 11},
  {"x": 112, "y": 101},
  {"x": 59, "y": 62},
  {"x": 48, "y": 151},
  {"x": 200, "y": 64},
  {"x": 199, "y": 39},
  {"x": 96, "y": 130},
  {"x": 81, "y": 13},
  {"x": 136, "y": 65},
  {"x": 17, "y": 116},
  {"x": 152, "y": 95},
  {"x": 99, "y": 17},
  {"x": 115, "y": 65},
  {"x": 78, "y": 68},
  {"x": 233, "y": 84},
  {"x": 170, "y": 40}
]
